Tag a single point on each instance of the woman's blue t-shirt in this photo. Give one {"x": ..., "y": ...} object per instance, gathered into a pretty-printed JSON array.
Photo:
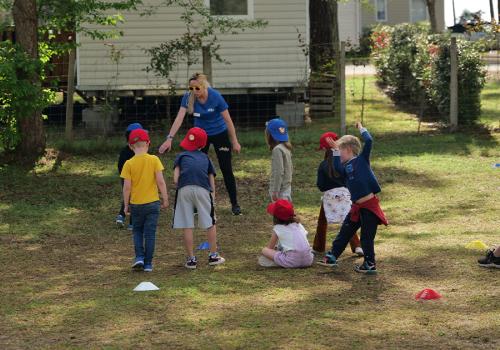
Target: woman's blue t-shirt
[{"x": 208, "y": 115}]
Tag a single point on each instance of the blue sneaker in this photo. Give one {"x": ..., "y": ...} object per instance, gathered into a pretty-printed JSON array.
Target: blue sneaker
[
  {"x": 148, "y": 267},
  {"x": 120, "y": 221},
  {"x": 328, "y": 260},
  {"x": 138, "y": 265},
  {"x": 366, "y": 268},
  {"x": 130, "y": 227}
]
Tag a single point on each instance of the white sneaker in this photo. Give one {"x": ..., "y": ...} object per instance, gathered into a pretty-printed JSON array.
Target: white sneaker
[
  {"x": 359, "y": 251},
  {"x": 265, "y": 262}
]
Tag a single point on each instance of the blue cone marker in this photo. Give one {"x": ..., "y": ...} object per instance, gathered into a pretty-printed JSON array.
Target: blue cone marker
[{"x": 203, "y": 246}]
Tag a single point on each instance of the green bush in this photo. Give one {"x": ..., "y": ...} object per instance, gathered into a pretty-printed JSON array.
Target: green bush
[
  {"x": 414, "y": 66},
  {"x": 19, "y": 97}
]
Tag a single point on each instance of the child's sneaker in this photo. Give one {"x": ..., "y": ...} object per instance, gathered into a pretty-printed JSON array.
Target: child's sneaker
[
  {"x": 236, "y": 210},
  {"x": 266, "y": 262},
  {"x": 215, "y": 259},
  {"x": 316, "y": 253},
  {"x": 191, "y": 262},
  {"x": 490, "y": 260},
  {"x": 328, "y": 260},
  {"x": 120, "y": 221},
  {"x": 138, "y": 265},
  {"x": 368, "y": 268},
  {"x": 130, "y": 227},
  {"x": 359, "y": 251},
  {"x": 148, "y": 267}
]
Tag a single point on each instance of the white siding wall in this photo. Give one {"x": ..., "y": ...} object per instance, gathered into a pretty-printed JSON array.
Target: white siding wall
[{"x": 268, "y": 57}]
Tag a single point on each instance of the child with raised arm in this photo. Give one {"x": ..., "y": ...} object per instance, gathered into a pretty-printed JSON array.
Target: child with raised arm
[
  {"x": 365, "y": 211},
  {"x": 280, "y": 184},
  {"x": 194, "y": 175},
  {"x": 143, "y": 177}
]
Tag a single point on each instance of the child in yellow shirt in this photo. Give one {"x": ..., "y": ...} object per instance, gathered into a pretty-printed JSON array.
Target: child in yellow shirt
[{"x": 143, "y": 178}]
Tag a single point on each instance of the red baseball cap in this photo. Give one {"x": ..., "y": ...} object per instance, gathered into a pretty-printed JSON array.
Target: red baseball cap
[
  {"x": 282, "y": 209},
  {"x": 323, "y": 144},
  {"x": 138, "y": 135},
  {"x": 196, "y": 138}
]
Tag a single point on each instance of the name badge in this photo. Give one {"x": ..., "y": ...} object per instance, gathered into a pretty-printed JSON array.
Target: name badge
[{"x": 197, "y": 115}]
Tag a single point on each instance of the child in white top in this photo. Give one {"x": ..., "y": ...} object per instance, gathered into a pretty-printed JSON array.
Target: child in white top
[{"x": 295, "y": 249}]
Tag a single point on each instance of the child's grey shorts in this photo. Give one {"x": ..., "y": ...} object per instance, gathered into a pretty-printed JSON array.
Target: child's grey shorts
[{"x": 188, "y": 198}]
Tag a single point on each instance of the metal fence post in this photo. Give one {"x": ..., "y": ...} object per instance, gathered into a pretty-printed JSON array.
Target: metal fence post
[
  {"x": 453, "y": 84},
  {"x": 70, "y": 92},
  {"x": 343, "y": 128},
  {"x": 207, "y": 63}
]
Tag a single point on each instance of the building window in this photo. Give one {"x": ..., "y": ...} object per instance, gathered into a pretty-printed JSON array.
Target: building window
[
  {"x": 418, "y": 11},
  {"x": 381, "y": 10},
  {"x": 233, "y": 8}
]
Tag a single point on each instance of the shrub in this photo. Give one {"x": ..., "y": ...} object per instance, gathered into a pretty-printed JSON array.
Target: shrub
[
  {"x": 414, "y": 66},
  {"x": 19, "y": 97}
]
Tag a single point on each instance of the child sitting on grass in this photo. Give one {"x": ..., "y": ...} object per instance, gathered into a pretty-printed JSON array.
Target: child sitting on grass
[
  {"x": 295, "y": 250},
  {"x": 365, "y": 211},
  {"x": 143, "y": 178},
  {"x": 194, "y": 175},
  {"x": 280, "y": 185},
  {"x": 336, "y": 199},
  {"x": 492, "y": 258},
  {"x": 125, "y": 154}
]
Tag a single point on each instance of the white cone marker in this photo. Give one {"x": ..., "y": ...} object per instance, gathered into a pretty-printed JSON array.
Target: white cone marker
[{"x": 145, "y": 287}]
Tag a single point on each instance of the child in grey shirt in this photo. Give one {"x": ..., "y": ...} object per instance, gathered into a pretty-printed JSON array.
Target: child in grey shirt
[{"x": 280, "y": 185}]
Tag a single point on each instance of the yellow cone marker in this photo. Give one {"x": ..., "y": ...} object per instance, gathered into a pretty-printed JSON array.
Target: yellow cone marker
[{"x": 477, "y": 245}]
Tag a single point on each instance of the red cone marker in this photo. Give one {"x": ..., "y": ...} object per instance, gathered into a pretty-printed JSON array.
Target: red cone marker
[{"x": 427, "y": 294}]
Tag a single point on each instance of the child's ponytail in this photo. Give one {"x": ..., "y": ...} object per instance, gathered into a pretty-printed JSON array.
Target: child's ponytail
[{"x": 331, "y": 169}]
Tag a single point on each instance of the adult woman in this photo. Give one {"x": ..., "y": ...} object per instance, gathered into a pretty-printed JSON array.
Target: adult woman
[{"x": 210, "y": 112}]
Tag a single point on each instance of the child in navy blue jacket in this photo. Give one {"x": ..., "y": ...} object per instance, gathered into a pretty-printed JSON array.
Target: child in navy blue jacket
[{"x": 363, "y": 186}]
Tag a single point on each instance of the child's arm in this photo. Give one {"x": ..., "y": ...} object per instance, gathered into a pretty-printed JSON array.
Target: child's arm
[
  {"x": 273, "y": 241},
  {"x": 277, "y": 170},
  {"x": 177, "y": 172},
  {"x": 367, "y": 147},
  {"x": 162, "y": 186},
  {"x": 127, "y": 187},
  {"x": 211, "y": 178}
]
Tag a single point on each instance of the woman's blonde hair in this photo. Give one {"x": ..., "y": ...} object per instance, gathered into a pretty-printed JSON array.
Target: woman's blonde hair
[
  {"x": 203, "y": 80},
  {"x": 349, "y": 141}
]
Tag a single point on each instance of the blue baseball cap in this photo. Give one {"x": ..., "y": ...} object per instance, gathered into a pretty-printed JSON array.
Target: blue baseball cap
[
  {"x": 134, "y": 126},
  {"x": 278, "y": 129}
]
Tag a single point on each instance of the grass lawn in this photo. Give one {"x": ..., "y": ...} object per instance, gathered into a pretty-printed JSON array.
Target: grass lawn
[{"x": 66, "y": 280}]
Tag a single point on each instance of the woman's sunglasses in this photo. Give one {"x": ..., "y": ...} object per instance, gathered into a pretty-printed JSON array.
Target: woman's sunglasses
[{"x": 197, "y": 88}]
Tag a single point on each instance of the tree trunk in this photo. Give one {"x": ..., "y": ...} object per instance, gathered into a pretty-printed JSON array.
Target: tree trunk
[
  {"x": 431, "y": 7},
  {"x": 492, "y": 11},
  {"x": 337, "y": 84},
  {"x": 321, "y": 30},
  {"x": 31, "y": 127},
  {"x": 324, "y": 44}
]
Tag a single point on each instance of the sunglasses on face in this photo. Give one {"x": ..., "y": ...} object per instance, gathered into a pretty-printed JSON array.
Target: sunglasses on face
[{"x": 197, "y": 88}]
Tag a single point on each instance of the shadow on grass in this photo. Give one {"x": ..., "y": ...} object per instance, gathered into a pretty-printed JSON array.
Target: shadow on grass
[{"x": 392, "y": 174}]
